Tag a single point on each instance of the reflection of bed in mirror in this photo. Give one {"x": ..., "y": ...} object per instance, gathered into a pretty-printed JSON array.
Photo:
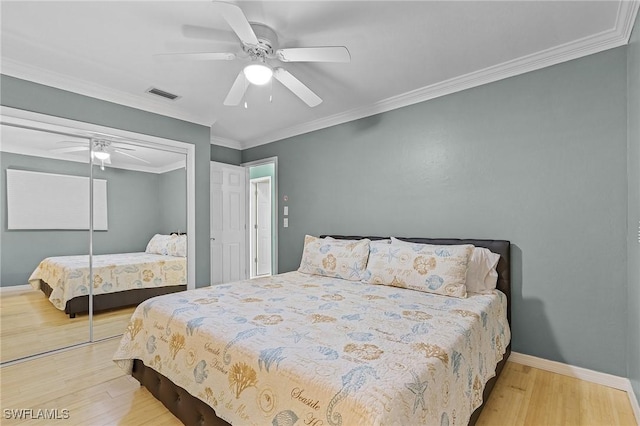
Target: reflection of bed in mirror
[{"x": 119, "y": 280}]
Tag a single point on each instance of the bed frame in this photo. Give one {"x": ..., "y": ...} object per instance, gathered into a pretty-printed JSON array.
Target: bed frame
[
  {"x": 192, "y": 411},
  {"x": 106, "y": 301}
]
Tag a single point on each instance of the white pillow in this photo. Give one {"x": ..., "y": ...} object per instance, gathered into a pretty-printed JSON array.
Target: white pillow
[{"x": 482, "y": 275}]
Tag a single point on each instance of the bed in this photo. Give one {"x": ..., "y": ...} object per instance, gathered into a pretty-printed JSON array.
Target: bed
[
  {"x": 119, "y": 280},
  {"x": 322, "y": 350}
]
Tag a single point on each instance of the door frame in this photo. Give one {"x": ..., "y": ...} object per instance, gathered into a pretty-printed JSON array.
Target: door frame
[{"x": 275, "y": 223}]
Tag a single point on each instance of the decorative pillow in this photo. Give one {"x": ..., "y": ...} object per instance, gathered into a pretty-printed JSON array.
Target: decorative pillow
[
  {"x": 168, "y": 245},
  {"x": 158, "y": 244},
  {"x": 177, "y": 245},
  {"x": 376, "y": 246},
  {"x": 346, "y": 259},
  {"x": 482, "y": 275},
  {"x": 422, "y": 267}
]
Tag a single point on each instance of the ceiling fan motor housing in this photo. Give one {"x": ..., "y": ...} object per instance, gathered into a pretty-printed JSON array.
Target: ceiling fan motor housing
[{"x": 267, "y": 42}]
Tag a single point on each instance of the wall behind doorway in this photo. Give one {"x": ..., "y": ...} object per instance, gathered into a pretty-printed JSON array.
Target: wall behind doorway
[{"x": 261, "y": 171}]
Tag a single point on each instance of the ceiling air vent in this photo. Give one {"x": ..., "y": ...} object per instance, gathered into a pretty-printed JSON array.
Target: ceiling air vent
[{"x": 162, "y": 93}]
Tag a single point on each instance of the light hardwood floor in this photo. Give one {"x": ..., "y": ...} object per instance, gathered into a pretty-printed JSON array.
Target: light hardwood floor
[
  {"x": 96, "y": 392},
  {"x": 30, "y": 324}
]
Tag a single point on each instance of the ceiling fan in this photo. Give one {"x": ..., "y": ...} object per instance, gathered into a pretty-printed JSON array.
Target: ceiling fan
[
  {"x": 102, "y": 150},
  {"x": 259, "y": 45}
]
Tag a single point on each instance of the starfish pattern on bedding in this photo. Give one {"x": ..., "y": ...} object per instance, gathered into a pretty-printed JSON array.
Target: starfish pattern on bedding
[
  {"x": 354, "y": 271},
  {"x": 391, "y": 254},
  {"x": 417, "y": 388},
  {"x": 297, "y": 336}
]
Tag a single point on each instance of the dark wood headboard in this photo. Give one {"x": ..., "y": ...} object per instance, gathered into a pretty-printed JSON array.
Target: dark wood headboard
[{"x": 501, "y": 247}]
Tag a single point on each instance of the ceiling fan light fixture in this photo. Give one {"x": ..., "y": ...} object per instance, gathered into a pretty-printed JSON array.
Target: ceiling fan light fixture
[
  {"x": 101, "y": 155},
  {"x": 258, "y": 74}
]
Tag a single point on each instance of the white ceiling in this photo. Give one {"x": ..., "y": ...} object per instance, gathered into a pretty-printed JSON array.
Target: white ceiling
[{"x": 402, "y": 53}]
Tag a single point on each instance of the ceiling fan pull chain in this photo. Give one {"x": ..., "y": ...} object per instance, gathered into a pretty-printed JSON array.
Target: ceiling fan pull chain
[{"x": 244, "y": 95}]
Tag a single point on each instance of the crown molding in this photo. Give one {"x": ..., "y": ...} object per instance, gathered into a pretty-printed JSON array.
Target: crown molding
[
  {"x": 229, "y": 143},
  {"x": 617, "y": 36}
]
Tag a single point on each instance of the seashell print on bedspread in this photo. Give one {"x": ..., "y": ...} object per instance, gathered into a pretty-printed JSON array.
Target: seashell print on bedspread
[
  {"x": 68, "y": 276},
  {"x": 314, "y": 350}
]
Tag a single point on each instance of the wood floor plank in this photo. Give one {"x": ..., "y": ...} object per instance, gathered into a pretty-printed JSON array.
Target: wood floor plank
[
  {"x": 529, "y": 396},
  {"x": 30, "y": 324}
]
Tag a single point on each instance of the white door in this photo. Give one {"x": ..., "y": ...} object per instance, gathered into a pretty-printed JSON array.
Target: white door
[
  {"x": 263, "y": 228},
  {"x": 228, "y": 223}
]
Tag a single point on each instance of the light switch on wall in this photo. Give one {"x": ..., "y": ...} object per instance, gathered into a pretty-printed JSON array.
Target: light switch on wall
[
  {"x": 286, "y": 210},
  {"x": 286, "y": 222}
]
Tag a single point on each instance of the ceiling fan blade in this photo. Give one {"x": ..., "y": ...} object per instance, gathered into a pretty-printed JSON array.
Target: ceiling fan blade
[
  {"x": 202, "y": 56},
  {"x": 132, "y": 156},
  {"x": 122, "y": 147},
  {"x": 204, "y": 33},
  {"x": 237, "y": 21},
  {"x": 297, "y": 87},
  {"x": 237, "y": 91},
  {"x": 314, "y": 54},
  {"x": 69, "y": 149}
]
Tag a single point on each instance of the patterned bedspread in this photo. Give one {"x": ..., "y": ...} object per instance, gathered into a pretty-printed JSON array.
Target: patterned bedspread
[
  {"x": 321, "y": 350},
  {"x": 68, "y": 276}
]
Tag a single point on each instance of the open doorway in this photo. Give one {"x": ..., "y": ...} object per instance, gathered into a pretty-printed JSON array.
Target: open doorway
[
  {"x": 260, "y": 226},
  {"x": 262, "y": 217}
]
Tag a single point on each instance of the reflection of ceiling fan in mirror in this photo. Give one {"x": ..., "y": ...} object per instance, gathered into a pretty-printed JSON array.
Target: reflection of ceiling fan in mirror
[
  {"x": 259, "y": 45},
  {"x": 102, "y": 150}
]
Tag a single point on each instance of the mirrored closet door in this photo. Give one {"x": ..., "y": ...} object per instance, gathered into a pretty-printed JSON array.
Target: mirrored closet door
[
  {"x": 141, "y": 250},
  {"x": 94, "y": 221},
  {"x": 45, "y": 222}
]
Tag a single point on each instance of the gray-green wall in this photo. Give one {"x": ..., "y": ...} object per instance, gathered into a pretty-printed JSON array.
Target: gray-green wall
[
  {"x": 137, "y": 209},
  {"x": 223, "y": 154},
  {"x": 633, "y": 236},
  {"x": 539, "y": 159},
  {"x": 21, "y": 94},
  {"x": 173, "y": 201}
]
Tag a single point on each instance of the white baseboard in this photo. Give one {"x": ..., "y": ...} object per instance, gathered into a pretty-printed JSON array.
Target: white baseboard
[
  {"x": 616, "y": 382},
  {"x": 15, "y": 288}
]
